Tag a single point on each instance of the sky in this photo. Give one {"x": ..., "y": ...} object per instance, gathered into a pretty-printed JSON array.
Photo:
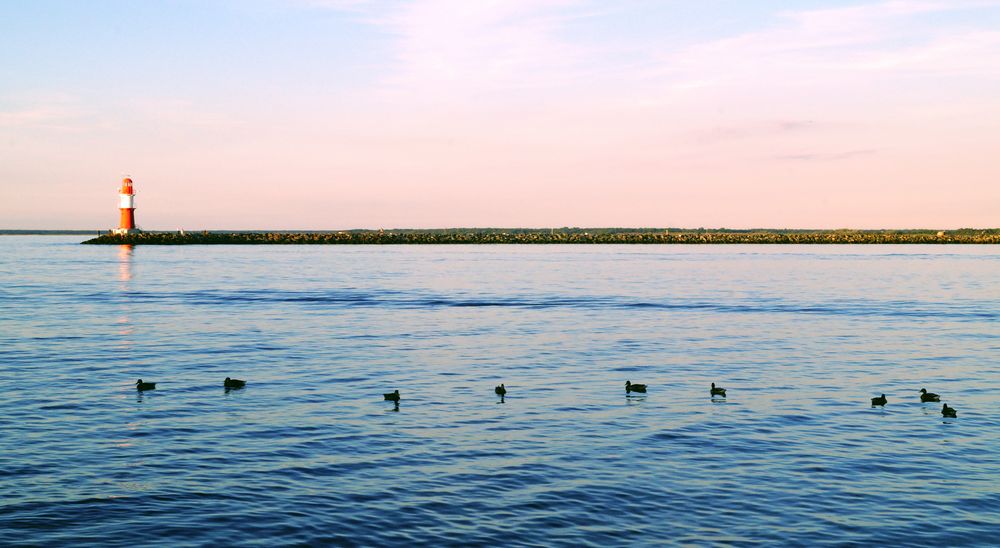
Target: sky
[{"x": 338, "y": 114}]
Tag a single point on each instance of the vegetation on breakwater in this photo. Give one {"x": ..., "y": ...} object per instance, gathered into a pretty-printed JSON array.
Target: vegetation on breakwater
[{"x": 561, "y": 236}]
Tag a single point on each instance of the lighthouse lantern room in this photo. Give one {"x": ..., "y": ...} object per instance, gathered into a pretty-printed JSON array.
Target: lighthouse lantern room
[{"x": 126, "y": 205}]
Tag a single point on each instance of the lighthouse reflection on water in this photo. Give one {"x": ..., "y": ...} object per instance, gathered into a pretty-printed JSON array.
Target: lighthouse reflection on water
[
  {"x": 125, "y": 265},
  {"x": 125, "y": 272},
  {"x": 126, "y": 329}
]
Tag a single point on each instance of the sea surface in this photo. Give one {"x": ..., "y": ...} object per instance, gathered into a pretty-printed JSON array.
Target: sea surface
[{"x": 308, "y": 453}]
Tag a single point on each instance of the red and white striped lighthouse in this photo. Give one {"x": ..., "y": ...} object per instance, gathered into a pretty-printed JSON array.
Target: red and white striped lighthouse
[{"x": 126, "y": 205}]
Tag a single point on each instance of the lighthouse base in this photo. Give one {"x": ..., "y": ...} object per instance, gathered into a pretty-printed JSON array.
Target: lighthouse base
[{"x": 125, "y": 231}]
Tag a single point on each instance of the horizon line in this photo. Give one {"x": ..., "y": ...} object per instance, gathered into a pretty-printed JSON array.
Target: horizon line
[{"x": 474, "y": 228}]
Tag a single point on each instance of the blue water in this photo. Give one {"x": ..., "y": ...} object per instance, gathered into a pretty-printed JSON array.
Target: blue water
[{"x": 309, "y": 453}]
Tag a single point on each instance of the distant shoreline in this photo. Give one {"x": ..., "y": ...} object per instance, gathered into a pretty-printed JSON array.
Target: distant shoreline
[
  {"x": 41, "y": 232},
  {"x": 557, "y": 236}
]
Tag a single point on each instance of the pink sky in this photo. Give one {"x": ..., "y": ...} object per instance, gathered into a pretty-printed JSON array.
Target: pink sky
[{"x": 440, "y": 113}]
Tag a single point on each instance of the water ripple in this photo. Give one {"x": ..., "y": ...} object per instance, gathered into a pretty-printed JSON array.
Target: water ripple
[{"x": 400, "y": 300}]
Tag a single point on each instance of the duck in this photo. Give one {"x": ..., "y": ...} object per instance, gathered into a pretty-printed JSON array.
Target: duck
[
  {"x": 139, "y": 385},
  {"x": 629, "y": 387},
  {"x": 233, "y": 383},
  {"x": 718, "y": 391},
  {"x": 500, "y": 390},
  {"x": 392, "y": 396},
  {"x": 928, "y": 396},
  {"x": 949, "y": 411},
  {"x": 879, "y": 400}
]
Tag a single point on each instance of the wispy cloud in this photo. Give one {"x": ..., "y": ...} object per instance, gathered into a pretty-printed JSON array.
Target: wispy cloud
[
  {"x": 862, "y": 14},
  {"x": 955, "y": 53},
  {"x": 457, "y": 47},
  {"x": 346, "y": 5},
  {"x": 818, "y": 45},
  {"x": 450, "y": 49},
  {"x": 57, "y": 114},
  {"x": 32, "y": 117},
  {"x": 182, "y": 114},
  {"x": 825, "y": 156},
  {"x": 755, "y": 129}
]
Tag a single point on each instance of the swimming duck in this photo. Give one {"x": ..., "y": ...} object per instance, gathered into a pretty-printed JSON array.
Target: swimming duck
[
  {"x": 718, "y": 391},
  {"x": 879, "y": 400},
  {"x": 928, "y": 396},
  {"x": 392, "y": 396},
  {"x": 500, "y": 390},
  {"x": 139, "y": 385},
  {"x": 949, "y": 411},
  {"x": 629, "y": 387},
  {"x": 233, "y": 383}
]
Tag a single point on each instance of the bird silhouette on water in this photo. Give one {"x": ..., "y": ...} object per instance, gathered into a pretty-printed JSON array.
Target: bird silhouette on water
[
  {"x": 233, "y": 383},
  {"x": 392, "y": 396},
  {"x": 949, "y": 411},
  {"x": 139, "y": 385},
  {"x": 718, "y": 391},
  {"x": 629, "y": 387},
  {"x": 500, "y": 390},
  {"x": 926, "y": 396},
  {"x": 879, "y": 401}
]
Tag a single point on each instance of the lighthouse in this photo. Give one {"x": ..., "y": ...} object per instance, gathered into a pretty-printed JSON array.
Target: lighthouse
[{"x": 126, "y": 205}]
